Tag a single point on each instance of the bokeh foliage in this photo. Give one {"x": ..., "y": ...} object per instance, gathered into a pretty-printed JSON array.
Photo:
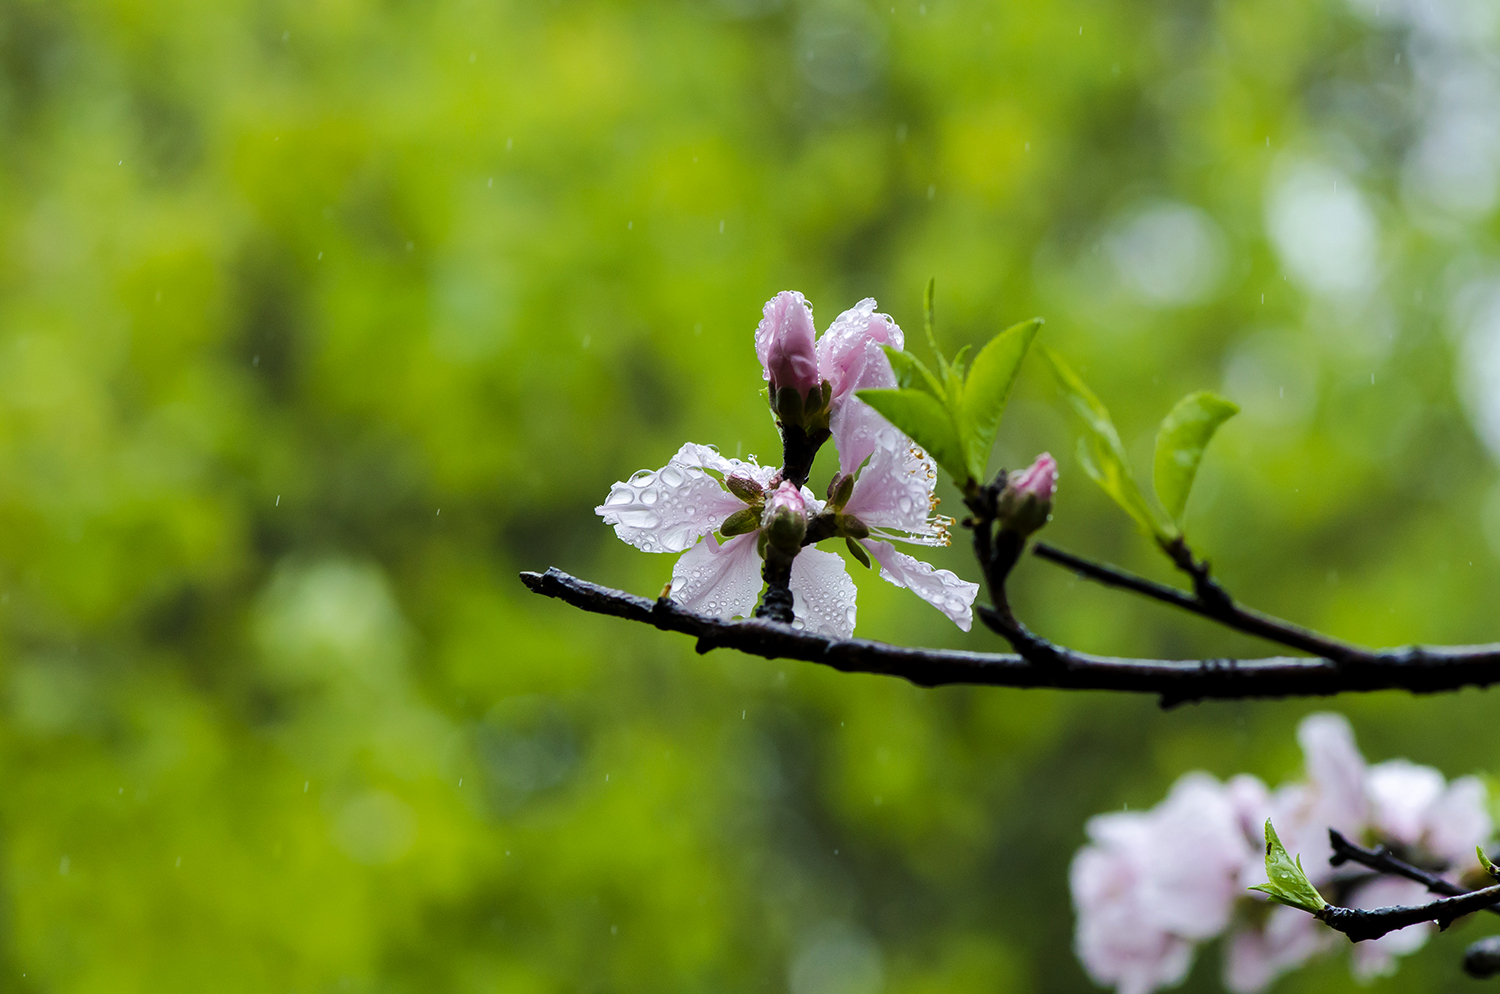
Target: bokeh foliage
[{"x": 320, "y": 320}]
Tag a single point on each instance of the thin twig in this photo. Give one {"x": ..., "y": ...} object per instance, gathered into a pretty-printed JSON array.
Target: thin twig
[
  {"x": 1381, "y": 860},
  {"x": 1220, "y": 608},
  {"x": 1360, "y": 924},
  {"x": 1419, "y": 670}
]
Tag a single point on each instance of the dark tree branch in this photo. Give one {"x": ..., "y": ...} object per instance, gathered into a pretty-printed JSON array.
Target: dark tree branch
[
  {"x": 1381, "y": 860},
  {"x": 1217, "y": 606},
  {"x": 1417, "y": 669},
  {"x": 1360, "y": 925}
]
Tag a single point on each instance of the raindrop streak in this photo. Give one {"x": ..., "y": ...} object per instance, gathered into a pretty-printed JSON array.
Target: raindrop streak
[
  {"x": 304, "y": 785},
  {"x": 278, "y": 496},
  {"x": 179, "y": 862},
  {"x": 491, "y": 183},
  {"x": 721, "y": 227},
  {"x": 440, "y": 513}
]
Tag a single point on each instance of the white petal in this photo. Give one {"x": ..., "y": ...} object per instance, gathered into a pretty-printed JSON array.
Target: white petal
[
  {"x": 822, "y": 594},
  {"x": 938, "y": 587},
  {"x": 1377, "y": 957},
  {"x": 1335, "y": 770},
  {"x": 722, "y": 581},
  {"x": 669, "y": 509},
  {"x": 1400, "y": 794},
  {"x": 1287, "y": 938},
  {"x": 1458, "y": 821},
  {"x": 895, "y": 490},
  {"x": 707, "y": 457}
]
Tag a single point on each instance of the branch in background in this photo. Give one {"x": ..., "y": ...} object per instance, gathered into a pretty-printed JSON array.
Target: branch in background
[
  {"x": 1218, "y": 606},
  {"x": 1419, "y": 670},
  {"x": 1381, "y": 860}
]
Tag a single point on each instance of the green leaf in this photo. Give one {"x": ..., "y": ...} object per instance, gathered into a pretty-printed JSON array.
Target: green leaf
[
  {"x": 926, "y": 420},
  {"x": 988, "y": 387},
  {"x": 1484, "y": 861},
  {"x": 1102, "y": 454},
  {"x": 910, "y": 372},
  {"x": 961, "y": 360},
  {"x": 1185, "y": 432},
  {"x": 1286, "y": 882}
]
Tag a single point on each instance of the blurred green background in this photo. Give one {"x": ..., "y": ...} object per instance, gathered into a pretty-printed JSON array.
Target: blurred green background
[{"x": 320, "y": 320}]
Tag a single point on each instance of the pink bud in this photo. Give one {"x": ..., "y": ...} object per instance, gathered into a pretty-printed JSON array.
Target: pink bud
[
  {"x": 784, "y": 344},
  {"x": 1039, "y": 480},
  {"x": 785, "y": 518}
]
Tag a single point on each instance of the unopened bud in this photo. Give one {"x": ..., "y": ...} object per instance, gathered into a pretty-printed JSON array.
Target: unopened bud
[
  {"x": 746, "y": 489},
  {"x": 1039, "y": 479},
  {"x": 741, "y": 522},
  {"x": 840, "y": 489},
  {"x": 784, "y": 344},
  {"x": 1025, "y": 504},
  {"x": 784, "y": 522}
]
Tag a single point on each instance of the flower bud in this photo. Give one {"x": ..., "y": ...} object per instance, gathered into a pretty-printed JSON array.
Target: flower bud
[
  {"x": 746, "y": 489},
  {"x": 741, "y": 522},
  {"x": 840, "y": 489},
  {"x": 1026, "y": 502},
  {"x": 784, "y": 522},
  {"x": 784, "y": 344}
]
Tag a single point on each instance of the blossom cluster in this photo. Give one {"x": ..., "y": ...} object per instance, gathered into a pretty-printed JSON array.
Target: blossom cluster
[
  {"x": 1150, "y": 885},
  {"x": 723, "y": 513}
]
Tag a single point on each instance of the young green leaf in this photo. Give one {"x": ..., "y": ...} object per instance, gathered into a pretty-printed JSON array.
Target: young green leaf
[
  {"x": 1185, "y": 432},
  {"x": 1286, "y": 882},
  {"x": 988, "y": 387},
  {"x": 911, "y": 373},
  {"x": 926, "y": 420},
  {"x": 1103, "y": 455},
  {"x": 1484, "y": 861}
]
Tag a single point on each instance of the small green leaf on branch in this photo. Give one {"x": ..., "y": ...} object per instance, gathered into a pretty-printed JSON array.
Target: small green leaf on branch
[
  {"x": 1484, "y": 861},
  {"x": 1185, "y": 432},
  {"x": 1102, "y": 455},
  {"x": 927, "y": 421},
  {"x": 987, "y": 388},
  {"x": 1285, "y": 881}
]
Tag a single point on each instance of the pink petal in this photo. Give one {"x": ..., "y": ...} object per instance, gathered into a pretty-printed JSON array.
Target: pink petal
[
  {"x": 1254, "y": 957},
  {"x": 1458, "y": 821},
  {"x": 1400, "y": 794},
  {"x": 895, "y": 490},
  {"x": 722, "y": 581},
  {"x": 784, "y": 342},
  {"x": 1335, "y": 770},
  {"x": 938, "y": 587},
  {"x": 669, "y": 509},
  {"x": 1197, "y": 858},
  {"x": 844, "y": 351},
  {"x": 1116, "y": 939},
  {"x": 1377, "y": 957},
  {"x": 850, "y": 358},
  {"x": 823, "y": 594}
]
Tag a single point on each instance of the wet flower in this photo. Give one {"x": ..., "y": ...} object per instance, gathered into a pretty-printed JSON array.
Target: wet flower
[
  {"x": 883, "y": 492},
  {"x": 784, "y": 344}
]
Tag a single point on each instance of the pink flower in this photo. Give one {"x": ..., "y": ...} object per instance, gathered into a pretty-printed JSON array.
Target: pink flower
[
  {"x": 679, "y": 507},
  {"x": 1151, "y": 884},
  {"x": 784, "y": 344}
]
